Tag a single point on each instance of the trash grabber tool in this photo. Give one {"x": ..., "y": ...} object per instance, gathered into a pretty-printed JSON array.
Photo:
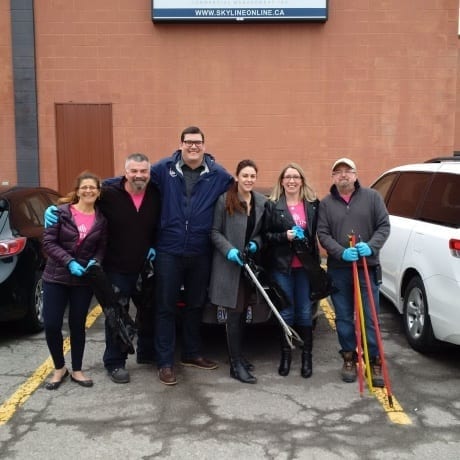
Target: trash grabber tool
[
  {"x": 290, "y": 334},
  {"x": 360, "y": 317},
  {"x": 386, "y": 377},
  {"x": 358, "y": 329}
]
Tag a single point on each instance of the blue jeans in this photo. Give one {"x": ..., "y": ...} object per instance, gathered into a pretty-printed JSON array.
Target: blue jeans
[
  {"x": 297, "y": 288},
  {"x": 55, "y": 300},
  {"x": 343, "y": 301},
  {"x": 114, "y": 357},
  {"x": 171, "y": 272}
]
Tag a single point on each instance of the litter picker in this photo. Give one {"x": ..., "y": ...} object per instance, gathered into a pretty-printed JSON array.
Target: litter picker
[{"x": 290, "y": 334}]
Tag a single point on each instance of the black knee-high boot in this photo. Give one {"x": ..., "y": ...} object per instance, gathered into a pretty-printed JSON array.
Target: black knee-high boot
[
  {"x": 234, "y": 329},
  {"x": 286, "y": 356},
  {"x": 306, "y": 334}
]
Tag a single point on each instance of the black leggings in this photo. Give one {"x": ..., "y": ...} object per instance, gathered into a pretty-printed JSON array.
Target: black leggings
[{"x": 55, "y": 300}]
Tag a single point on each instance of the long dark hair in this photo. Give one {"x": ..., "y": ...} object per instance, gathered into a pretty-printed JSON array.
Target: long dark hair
[
  {"x": 233, "y": 203},
  {"x": 72, "y": 196}
]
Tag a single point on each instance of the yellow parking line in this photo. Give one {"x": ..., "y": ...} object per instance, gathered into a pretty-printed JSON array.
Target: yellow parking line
[
  {"x": 396, "y": 413},
  {"x": 23, "y": 393}
]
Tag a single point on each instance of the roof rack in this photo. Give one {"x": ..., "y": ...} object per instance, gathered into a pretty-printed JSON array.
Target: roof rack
[{"x": 454, "y": 157}]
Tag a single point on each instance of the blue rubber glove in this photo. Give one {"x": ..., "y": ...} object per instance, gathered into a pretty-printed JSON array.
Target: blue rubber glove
[
  {"x": 51, "y": 216},
  {"x": 252, "y": 247},
  {"x": 364, "y": 249},
  {"x": 91, "y": 262},
  {"x": 350, "y": 255},
  {"x": 298, "y": 232},
  {"x": 75, "y": 268},
  {"x": 151, "y": 255},
  {"x": 234, "y": 256}
]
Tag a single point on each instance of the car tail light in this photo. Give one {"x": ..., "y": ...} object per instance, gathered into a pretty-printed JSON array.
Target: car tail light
[
  {"x": 454, "y": 246},
  {"x": 12, "y": 246}
]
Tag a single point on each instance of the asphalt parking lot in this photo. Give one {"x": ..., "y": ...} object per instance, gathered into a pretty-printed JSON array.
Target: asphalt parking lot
[{"x": 208, "y": 415}]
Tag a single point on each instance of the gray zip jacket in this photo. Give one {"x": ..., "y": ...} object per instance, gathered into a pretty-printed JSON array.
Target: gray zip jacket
[{"x": 365, "y": 215}]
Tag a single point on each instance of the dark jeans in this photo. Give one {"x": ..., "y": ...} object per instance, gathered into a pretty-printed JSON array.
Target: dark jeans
[
  {"x": 297, "y": 288},
  {"x": 114, "y": 357},
  {"x": 55, "y": 300},
  {"x": 343, "y": 301},
  {"x": 171, "y": 272}
]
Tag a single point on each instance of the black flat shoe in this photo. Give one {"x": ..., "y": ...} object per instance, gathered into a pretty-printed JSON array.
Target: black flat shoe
[
  {"x": 84, "y": 383},
  {"x": 56, "y": 385}
]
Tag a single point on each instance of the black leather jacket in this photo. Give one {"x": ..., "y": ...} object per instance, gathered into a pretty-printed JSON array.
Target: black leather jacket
[{"x": 277, "y": 221}]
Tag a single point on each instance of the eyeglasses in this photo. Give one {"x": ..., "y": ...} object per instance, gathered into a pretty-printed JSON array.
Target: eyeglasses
[
  {"x": 189, "y": 143},
  {"x": 339, "y": 172},
  {"x": 292, "y": 177},
  {"x": 89, "y": 187}
]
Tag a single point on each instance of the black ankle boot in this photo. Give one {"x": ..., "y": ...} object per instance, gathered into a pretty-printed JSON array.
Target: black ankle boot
[
  {"x": 239, "y": 372},
  {"x": 285, "y": 361},
  {"x": 306, "y": 334},
  {"x": 306, "y": 370}
]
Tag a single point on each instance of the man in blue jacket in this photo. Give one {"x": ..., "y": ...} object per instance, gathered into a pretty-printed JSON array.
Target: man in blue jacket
[{"x": 190, "y": 181}]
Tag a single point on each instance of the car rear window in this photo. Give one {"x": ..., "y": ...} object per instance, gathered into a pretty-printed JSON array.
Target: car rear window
[
  {"x": 442, "y": 203},
  {"x": 407, "y": 193}
]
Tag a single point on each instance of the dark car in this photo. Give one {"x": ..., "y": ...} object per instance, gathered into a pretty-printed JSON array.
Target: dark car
[{"x": 21, "y": 256}]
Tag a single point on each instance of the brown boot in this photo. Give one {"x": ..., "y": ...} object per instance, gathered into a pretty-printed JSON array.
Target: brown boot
[
  {"x": 349, "y": 372},
  {"x": 376, "y": 372}
]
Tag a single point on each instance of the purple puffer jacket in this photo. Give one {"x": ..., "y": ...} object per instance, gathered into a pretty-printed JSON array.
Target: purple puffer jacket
[{"x": 60, "y": 245}]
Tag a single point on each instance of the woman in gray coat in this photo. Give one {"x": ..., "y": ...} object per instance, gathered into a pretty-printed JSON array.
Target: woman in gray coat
[{"x": 236, "y": 228}]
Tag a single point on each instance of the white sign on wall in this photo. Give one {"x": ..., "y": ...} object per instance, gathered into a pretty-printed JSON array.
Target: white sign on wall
[{"x": 239, "y": 10}]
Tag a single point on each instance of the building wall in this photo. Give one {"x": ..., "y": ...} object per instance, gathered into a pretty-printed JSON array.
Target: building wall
[
  {"x": 7, "y": 131},
  {"x": 376, "y": 82}
]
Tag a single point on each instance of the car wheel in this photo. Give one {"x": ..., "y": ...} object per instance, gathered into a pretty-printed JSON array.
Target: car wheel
[
  {"x": 417, "y": 323},
  {"x": 34, "y": 317}
]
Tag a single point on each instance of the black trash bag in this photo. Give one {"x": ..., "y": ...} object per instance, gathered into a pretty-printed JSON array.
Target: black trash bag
[
  {"x": 115, "y": 307},
  {"x": 321, "y": 284},
  {"x": 274, "y": 291},
  {"x": 144, "y": 299}
]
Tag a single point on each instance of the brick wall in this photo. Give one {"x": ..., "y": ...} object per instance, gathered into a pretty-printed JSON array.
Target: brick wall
[{"x": 376, "y": 82}]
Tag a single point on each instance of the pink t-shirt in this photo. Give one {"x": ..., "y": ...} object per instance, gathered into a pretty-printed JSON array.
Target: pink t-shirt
[
  {"x": 137, "y": 199},
  {"x": 84, "y": 222},
  {"x": 298, "y": 214}
]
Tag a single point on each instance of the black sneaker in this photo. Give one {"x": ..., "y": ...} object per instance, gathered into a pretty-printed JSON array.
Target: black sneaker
[{"x": 119, "y": 375}]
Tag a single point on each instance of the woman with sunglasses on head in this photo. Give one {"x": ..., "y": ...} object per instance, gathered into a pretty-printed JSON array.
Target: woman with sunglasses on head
[
  {"x": 236, "y": 229},
  {"x": 291, "y": 212},
  {"x": 74, "y": 243}
]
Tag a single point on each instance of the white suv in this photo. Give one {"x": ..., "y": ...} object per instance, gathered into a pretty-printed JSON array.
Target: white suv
[{"x": 421, "y": 258}]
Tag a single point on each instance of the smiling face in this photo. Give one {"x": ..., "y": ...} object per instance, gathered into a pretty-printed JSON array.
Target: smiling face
[
  {"x": 291, "y": 182},
  {"x": 137, "y": 175},
  {"x": 88, "y": 191},
  {"x": 192, "y": 148},
  {"x": 246, "y": 179}
]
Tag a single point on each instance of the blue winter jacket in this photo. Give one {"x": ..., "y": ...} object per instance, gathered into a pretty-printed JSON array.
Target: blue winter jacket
[{"x": 185, "y": 223}]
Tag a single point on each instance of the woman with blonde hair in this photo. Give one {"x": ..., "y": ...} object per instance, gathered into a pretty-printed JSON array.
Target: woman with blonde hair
[
  {"x": 291, "y": 212},
  {"x": 74, "y": 243}
]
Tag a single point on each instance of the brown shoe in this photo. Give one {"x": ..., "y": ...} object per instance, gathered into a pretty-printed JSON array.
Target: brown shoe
[
  {"x": 376, "y": 372},
  {"x": 167, "y": 376},
  {"x": 199, "y": 362},
  {"x": 349, "y": 371}
]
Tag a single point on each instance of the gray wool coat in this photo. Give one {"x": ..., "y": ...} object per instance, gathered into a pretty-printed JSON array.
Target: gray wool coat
[{"x": 229, "y": 232}]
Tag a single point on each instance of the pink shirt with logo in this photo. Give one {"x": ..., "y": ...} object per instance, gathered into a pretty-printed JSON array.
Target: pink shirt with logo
[
  {"x": 298, "y": 214},
  {"x": 84, "y": 222}
]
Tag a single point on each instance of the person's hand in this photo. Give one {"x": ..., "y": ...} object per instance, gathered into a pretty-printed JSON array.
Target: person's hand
[
  {"x": 75, "y": 268},
  {"x": 91, "y": 262},
  {"x": 298, "y": 232},
  {"x": 234, "y": 256},
  {"x": 350, "y": 255},
  {"x": 252, "y": 247},
  {"x": 364, "y": 249},
  {"x": 51, "y": 216},
  {"x": 151, "y": 255}
]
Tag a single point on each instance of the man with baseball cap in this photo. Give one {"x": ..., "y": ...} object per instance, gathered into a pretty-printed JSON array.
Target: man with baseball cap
[{"x": 350, "y": 208}]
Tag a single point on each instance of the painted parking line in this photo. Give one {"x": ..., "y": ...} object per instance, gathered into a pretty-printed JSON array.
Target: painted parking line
[
  {"x": 396, "y": 413},
  {"x": 25, "y": 391}
]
